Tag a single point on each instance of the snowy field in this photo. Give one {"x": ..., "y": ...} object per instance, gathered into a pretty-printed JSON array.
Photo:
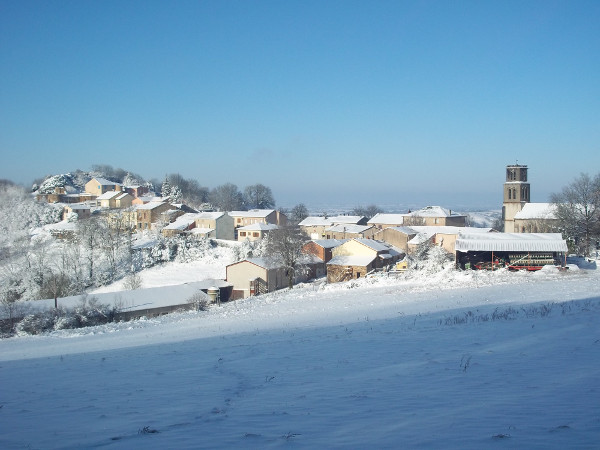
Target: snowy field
[{"x": 448, "y": 360}]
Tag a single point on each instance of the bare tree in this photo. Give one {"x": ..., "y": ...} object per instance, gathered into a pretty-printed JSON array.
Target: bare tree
[
  {"x": 90, "y": 239},
  {"x": 368, "y": 211},
  {"x": 284, "y": 247},
  {"x": 258, "y": 196},
  {"x": 226, "y": 197},
  {"x": 298, "y": 213},
  {"x": 578, "y": 212}
]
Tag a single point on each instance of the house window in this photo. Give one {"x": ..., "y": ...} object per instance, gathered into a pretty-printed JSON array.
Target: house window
[
  {"x": 242, "y": 233},
  {"x": 255, "y": 234}
]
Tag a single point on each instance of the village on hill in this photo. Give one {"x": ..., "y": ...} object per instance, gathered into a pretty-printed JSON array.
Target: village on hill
[{"x": 115, "y": 230}]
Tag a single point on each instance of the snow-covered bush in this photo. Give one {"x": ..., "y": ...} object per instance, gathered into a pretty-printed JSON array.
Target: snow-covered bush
[{"x": 89, "y": 312}]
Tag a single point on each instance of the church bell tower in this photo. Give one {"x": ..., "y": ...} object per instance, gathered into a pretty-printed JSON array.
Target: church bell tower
[{"x": 516, "y": 194}]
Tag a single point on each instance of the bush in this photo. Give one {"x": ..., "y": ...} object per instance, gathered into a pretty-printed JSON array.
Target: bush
[{"x": 88, "y": 313}]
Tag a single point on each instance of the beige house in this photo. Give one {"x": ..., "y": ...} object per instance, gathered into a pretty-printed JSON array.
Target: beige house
[
  {"x": 396, "y": 236},
  {"x": 114, "y": 199},
  {"x": 144, "y": 216},
  {"x": 358, "y": 257},
  {"x": 382, "y": 220},
  {"x": 349, "y": 231},
  {"x": 244, "y": 218},
  {"x": 254, "y": 276},
  {"x": 315, "y": 226},
  {"x": 98, "y": 186},
  {"x": 435, "y": 216},
  {"x": 255, "y": 232},
  {"x": 536, "y": 218},
  {"x": 147, "y": 199}
]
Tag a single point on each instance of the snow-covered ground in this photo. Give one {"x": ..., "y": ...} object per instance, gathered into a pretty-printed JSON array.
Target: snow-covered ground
[{"x": 446, "y": 360}]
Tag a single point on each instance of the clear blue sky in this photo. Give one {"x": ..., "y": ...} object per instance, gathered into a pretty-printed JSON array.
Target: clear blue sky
[{"x": 385, "y": 102}]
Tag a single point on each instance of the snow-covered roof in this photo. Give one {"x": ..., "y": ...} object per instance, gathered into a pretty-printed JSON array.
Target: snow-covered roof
[
  {"x": 348, "y": 228},
  {"x": 346, "y": 219},
  {"x": 209, "y": 215},
  {"x": 105, "y": 182},
  {"x": 259, "y": 227},
  {"x": 329, "y": 243},
  {"x": 182, "y": 222},
  {"x": 511, "y": 242},
  {"x": 449, "y": 229},
  {"x": 405, "y": 230},
  {"x": 421, "y": 237},
  {"x": 434, "y": 211},
  {"x": 388, "y": 219},
  {"x": 108, "y": 195},
  {"x": 351, "y": 260},
  {"x": 537, "y": 211},
  {"x": 315, "y": 221},
  {"x": 122, "y": 196},
  {"x": 201, "y": 230},
  {"x": 150, "y": 205},
  {"x": 378, "y": 246},
  {"x": 255, "y": 213}
]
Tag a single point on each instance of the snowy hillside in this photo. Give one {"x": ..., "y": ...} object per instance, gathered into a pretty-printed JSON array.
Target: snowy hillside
[{"x": 453, "y": 360}]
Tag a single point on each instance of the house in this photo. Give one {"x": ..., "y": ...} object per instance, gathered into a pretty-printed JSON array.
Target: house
[
  {"x": 181, "y": 225},
  {"x": 349, "y": 231},
  {"x": 254, "y": 276},
  {"x": 315, "y": 226},
  {"x": 98, "y": 186},
  {"x": 82, "y": 210},
  {"x": 383, "y": 220},
  {"x": 358, "y": 257},
  {"x": 144, "y": 216},
  {"x": 396, "y": 236},
  {"x": 108, "y": 200},
  {"x": 147, "y": 199},
  {"x": 322, "y": 248},
  {"x": 136, "y": 191},
  {"x": 435, "y": 216},
  {"x": 215, "y": 225},
  {"x": 243, "y": 218},
  {"x": 220, "y": 224},
  {"x": 255, "y": 231},
  {"x": 527, "y": 251},
  {"x": 536, "y": 218}
]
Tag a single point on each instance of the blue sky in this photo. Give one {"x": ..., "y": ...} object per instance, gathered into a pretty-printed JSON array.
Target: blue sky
[{"x": 420, "y": 102}]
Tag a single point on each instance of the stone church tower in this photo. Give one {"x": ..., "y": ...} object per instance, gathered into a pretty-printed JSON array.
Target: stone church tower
[{"x": 516, "y": 194}]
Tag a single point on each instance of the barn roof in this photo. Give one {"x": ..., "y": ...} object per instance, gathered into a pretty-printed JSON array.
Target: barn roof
[{"x": 511, "y": 242}]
